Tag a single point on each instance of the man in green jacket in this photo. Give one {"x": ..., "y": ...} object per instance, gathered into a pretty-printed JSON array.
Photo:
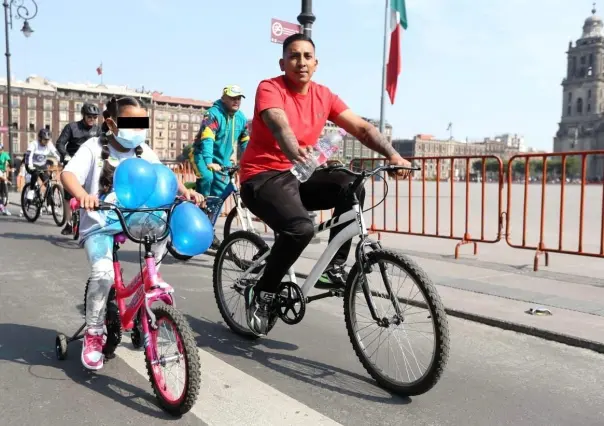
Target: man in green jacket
[{"x": 223, "y": 126}]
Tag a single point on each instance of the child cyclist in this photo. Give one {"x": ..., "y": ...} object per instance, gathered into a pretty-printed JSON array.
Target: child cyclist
[{"x": 88, "y": 177}]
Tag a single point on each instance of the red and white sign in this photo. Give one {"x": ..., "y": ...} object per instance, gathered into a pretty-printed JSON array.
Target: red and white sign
[{"x": 280, "y": 30}]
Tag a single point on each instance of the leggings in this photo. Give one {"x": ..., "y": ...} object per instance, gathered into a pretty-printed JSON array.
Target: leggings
[{"x": 99, "y": 249}]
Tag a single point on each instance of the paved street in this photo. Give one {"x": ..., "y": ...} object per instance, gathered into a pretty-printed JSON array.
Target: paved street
[{"x": 306, "y": 373}]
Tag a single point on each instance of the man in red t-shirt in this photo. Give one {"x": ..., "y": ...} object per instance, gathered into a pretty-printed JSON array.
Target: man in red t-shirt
[{"x": 289, "y": 115}]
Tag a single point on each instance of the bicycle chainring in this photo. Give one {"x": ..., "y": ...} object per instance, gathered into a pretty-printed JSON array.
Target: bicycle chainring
[{"x": 291, "y": 304}]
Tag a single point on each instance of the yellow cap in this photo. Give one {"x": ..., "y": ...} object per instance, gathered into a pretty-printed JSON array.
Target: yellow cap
[{"x": 233, "y": 91}]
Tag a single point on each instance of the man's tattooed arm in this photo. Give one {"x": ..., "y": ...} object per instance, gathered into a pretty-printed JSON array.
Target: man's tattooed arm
[
  {"x": 277, "y": 122},
  {"x": 373, "y": 139}
]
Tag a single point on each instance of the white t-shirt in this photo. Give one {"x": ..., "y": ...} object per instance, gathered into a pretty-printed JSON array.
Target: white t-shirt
[
  {"x": 37, "y": 154},
  {"x": 87, "y": 165}
]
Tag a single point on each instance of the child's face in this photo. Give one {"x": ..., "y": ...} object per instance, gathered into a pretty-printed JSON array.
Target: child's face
[{"x": 127, "y": 111}]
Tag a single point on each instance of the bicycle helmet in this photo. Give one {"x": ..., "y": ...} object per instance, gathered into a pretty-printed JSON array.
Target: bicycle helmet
[
  {"x": 44, "y": 134},
  {"x": 90, "y": 109}
]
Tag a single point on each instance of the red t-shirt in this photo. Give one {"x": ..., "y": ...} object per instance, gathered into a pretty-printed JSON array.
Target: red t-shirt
[{"x": 307, "y": 115}]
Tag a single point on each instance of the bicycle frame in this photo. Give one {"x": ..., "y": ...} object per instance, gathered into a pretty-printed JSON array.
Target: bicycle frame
[
  {"x": 356, "y": 227},
  {"x": 216, "y": 203},
  {"x": 143, "y": 287}
]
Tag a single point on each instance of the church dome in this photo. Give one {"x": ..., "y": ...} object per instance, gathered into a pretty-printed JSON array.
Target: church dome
[{"x": 593, "y": 26}]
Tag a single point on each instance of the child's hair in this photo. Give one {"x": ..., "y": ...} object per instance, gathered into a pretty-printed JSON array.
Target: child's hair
[{"x": 112, "y": 110}]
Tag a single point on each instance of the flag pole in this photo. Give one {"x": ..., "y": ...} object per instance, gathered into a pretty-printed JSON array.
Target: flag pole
[{"x": 385, "y": 65}]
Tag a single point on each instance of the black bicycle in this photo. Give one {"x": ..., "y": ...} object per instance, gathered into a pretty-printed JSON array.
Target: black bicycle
[{"x": 32, "y": 200}]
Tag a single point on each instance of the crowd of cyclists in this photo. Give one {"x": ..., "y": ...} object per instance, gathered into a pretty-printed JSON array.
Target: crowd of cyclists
[{"x": 290, "y": 113}]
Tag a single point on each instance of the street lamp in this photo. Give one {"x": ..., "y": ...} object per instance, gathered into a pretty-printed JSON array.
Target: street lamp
[
  {"x": 23, "y": 13},
  {"x": 306, "y": 17}
]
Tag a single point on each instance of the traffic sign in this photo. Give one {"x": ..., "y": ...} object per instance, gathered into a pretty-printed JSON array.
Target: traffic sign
[{"x": 280, "y": 30}]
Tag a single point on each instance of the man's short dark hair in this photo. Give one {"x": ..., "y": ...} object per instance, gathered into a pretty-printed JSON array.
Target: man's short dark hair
[{"x": 296, "y": 37}]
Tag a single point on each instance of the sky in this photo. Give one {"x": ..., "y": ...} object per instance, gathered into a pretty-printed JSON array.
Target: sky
[{"x": 489, "y": 67}]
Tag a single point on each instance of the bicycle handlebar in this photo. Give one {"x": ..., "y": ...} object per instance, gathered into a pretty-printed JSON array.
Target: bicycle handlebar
[
  {"x": 364, "y": 174},
  {"x": 228, "y": 170},
  {"x": 104, "y": 206}
]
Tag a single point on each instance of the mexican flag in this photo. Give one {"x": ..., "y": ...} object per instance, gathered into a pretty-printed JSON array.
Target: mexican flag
[{"x": 398, "y": 23}]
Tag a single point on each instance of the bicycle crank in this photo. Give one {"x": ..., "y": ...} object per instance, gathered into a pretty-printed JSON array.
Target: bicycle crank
[{"x": 291, "y": 305}]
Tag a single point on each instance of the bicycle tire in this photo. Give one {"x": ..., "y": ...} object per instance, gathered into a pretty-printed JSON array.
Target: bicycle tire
[
  {"x": 35, "y": 217},
  {"x": 191, "y": 358},
  {"x": 176, "y": 254},
  {"x": 224, "y": 249},
  {"x": 437, "y": 312},
  {"x": 75, "y": 224},
  {"x": 54, "y": 209}
]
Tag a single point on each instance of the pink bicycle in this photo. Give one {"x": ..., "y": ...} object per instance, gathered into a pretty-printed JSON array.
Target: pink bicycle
[{"x": 160, "y": 324}]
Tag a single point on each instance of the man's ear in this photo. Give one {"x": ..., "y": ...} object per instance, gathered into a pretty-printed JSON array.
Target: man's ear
[{"x": 282, "y": 64}]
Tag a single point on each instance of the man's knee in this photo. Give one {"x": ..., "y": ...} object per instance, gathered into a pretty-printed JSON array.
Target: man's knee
[{"x": 300, "y": 230}]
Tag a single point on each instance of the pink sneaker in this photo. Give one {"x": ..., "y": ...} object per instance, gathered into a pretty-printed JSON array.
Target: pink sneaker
[{"x": 92, "y": 349}]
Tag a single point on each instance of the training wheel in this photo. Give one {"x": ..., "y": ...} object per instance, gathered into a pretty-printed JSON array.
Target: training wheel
[{"x": 61, "y": 346}]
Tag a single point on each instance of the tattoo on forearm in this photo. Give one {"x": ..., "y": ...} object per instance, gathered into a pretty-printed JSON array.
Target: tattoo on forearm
[
  {"x": 276, "y": 121},
  {"x": 374, "y": 140}
]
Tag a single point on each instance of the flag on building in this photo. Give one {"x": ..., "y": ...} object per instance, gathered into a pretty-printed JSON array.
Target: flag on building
[
  {"x": 99, "y": 69},
  {"x": 398, "y": 23}
]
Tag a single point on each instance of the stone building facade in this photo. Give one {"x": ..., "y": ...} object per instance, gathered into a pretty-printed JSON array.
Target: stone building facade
[{"x": 581, "y": 127}]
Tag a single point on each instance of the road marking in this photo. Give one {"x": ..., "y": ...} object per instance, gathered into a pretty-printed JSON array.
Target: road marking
[{"x": 228, "y": 396}]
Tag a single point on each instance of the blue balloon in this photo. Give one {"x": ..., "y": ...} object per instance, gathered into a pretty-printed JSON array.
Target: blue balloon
[
  {"x": 134, "y": 181},
  {"x": 166, "y": 187},
  {"x": 192, "y": 231}
]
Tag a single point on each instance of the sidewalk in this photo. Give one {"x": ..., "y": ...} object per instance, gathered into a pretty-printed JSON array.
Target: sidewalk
[{"x": 500, "y": 293}]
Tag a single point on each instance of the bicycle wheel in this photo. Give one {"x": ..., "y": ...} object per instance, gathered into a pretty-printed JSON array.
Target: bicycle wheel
[
  {"x": 75, "y": 224},
  {"x": 27, "y": 205},
  {"x": 176, "y": 254},
  {"x": 56, "y": 200},
  {"x": 184, "y": 354},
  {"x": 394, "y": 319},
  {"x": 236, "y": 319}
]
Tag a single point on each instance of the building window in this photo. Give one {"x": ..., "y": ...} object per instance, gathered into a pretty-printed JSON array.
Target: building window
[
  {"x": 174, "y": 117},
  {"x": 172, "y": 135},
  {"x": 64, "y": 106},
  {"x": 591, "y": 59},
  {"x": 47, "y": 104},
  {"x": 64, "y": 115},
  {"x": 185, "y": 117},
  {"x": 579, "y": 106},
  {"x": 582, "y": 60},
  {"x": 184, "y": 136},
  {"x": 31, "y": 103},
  {"x": 172, "y": 125},
  {"x": 14, "y": 101},
  {"x": 77, "y": 107},
  {"x": 159, "y": 125},
  {"x": 569, "y": 111},
  {"x": 16, "y": 114},
  {"x": 184, "y": 126},
  {"x": 588, "y": 107},
  {"x": 589, "y": 94},
  {"x": 16, "y": 144}
]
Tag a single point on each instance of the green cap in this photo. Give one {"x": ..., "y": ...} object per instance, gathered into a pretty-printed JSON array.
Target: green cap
[{"x": 233, "y": 91}]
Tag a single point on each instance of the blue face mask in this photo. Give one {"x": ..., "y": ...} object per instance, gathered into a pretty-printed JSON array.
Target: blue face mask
[{"x": 130, "y": 138}]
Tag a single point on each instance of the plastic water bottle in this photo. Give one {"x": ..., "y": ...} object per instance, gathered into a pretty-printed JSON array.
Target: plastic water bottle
[{"x": 322, "y": 151}]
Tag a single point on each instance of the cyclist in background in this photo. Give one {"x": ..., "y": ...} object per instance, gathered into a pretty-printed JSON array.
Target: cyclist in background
[
  {"x": 223, "y": 126},
  {"x": 72, "y": 137},
  {"x": 5, "y": 169},
  {"x": 36, "y": 161}
]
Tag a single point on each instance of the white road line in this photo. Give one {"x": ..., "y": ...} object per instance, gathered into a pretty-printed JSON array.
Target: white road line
[{"x": 229, "y": 396}]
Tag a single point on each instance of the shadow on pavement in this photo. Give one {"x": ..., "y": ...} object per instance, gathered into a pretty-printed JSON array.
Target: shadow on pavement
[
  {"x": 218, "y": 337},
  {"x": 21, "y": 344},
  {"x": 56, "y": 240}
]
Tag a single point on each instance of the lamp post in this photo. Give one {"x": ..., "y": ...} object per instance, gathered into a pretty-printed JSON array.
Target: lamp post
[
  {"x": 306, "y": 17},
  {"x": 24, "y": 13}
]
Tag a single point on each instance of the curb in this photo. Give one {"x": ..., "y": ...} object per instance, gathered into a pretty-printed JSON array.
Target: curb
[{"x": 541, "y": 333}]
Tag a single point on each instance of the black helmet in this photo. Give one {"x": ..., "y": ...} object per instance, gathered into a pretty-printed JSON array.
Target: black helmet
[
  {"x": 90, "y": 109},
  {"x": 44, "y": 134}
]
